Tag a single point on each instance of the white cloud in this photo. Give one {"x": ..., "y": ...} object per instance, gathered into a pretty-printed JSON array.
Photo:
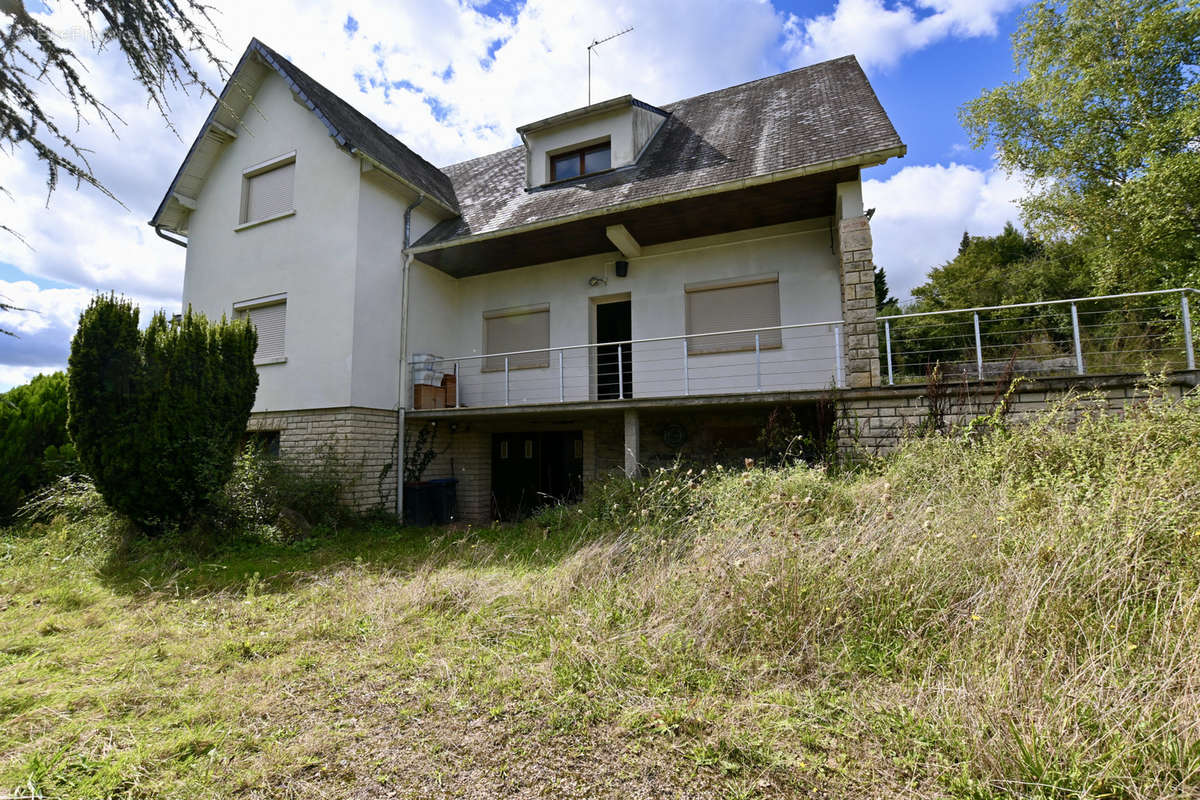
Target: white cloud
[
  {"x": 882, "y": 33},
  {"x": 922, "y": 211}
]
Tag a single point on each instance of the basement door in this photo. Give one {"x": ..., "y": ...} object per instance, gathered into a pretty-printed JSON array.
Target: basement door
[{"x": 535, "y": 469}]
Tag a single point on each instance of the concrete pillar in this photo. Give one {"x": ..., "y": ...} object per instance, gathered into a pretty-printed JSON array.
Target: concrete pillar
[
  {"x": 633, "y": 443},
  {"x": 861, "y": 335}
]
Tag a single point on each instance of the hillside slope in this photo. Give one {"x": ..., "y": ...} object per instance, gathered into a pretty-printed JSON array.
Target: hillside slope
[{"x": 1014, "y": 615}]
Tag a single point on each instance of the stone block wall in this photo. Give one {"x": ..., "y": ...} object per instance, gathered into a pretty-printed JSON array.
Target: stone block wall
[
  {"x": 874, "y": 422},
  {"x": 359, "y": 442},
  {"x": 861, "y": 346}
]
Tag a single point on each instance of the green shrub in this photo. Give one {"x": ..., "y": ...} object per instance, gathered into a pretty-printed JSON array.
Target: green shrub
[
  {"x": 34, "y": 447},
  {"x": 263, "y": 487},
  {"x": 156, "y": 415}
]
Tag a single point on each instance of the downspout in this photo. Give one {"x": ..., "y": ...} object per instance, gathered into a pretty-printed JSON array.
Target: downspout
[
  {"x": 402, "y": 404},
  {"x": 171, "y": 239}
]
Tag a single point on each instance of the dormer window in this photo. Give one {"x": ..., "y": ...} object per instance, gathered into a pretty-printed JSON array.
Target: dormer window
[{"x": 584, "y": 161}]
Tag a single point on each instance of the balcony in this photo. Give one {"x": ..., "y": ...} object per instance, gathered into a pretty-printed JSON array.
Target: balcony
[{"x": 783, "y": 358}]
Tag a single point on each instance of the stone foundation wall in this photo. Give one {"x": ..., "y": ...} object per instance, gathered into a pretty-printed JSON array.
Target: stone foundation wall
[
  {"x": 360, "y": 442},
  {"x": 874, "y": 422}
]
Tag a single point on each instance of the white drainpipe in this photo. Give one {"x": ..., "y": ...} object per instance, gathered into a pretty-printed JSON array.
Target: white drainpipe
[{"x": 401, "y": 404}]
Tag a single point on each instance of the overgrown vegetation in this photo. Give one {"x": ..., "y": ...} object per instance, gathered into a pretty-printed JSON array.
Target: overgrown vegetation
[
  {"x": 34, "y": 447},
  {"x": 156, "y": 415},
  {"x": 1011, "y": 613}
]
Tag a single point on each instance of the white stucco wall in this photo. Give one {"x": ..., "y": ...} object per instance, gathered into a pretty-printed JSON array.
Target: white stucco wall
[
  {"x": 310, "y": 255},
  {"x": 809, "y": 288},
  {"x": 338, "y": 259},
  {"x": 377, "y": 297}
]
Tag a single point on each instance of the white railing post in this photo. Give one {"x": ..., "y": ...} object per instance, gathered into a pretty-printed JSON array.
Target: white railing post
[
  {"x": 685, "y": 367},
  {"x": 757, "y": 365},
  {"x": 562, "y": 385},
  {"x": 1188, "y": 347},
  {"x": 620, "y": 374},
  {"x": 887, "y": 335},
  {"x": 506, "y": 385},
  {"x": 837, "y": 355},
  {"x": 978, "y": 348},
  {"x": 456, "y": 389},
  {"x": 1075, "y": 332}
]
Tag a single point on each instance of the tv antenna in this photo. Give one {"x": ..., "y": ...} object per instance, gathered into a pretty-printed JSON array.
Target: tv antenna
[{"x": 589, "y": 49}]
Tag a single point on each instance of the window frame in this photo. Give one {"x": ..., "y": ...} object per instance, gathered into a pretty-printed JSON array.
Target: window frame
[
  {"x": 580, "y": 153},
  {"x": 518, "y": 311},
  {"x": 254, "y": 171},
  {"x": 696, "y": 347},
  {"x": 242, "y": 309}
]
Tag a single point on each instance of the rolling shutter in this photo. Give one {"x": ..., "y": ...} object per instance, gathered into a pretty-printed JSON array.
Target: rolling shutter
[
  {"x": 269, "y": 321},
  {"x": 506, "y": 332},
  {"x": 743, "y": 306},
  {"x": 269, "y": 194}
]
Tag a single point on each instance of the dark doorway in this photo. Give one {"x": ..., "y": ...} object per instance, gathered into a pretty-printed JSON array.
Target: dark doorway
[
  {"x": 531, "y": 470},
  {"x": 614, "y": 362}
]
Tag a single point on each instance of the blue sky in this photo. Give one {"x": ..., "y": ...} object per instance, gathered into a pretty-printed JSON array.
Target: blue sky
[{"x": 453, "y": 79}]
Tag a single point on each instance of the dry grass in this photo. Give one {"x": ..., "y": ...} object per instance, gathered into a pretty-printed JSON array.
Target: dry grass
[{"x": 1016, "y": 615}]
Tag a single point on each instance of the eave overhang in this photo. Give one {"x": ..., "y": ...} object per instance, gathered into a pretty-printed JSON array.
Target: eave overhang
[{"x": 801, "y": 193}]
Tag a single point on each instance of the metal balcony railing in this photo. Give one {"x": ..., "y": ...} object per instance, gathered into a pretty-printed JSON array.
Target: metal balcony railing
[
  {"x": 1117, "y": 333},
  {"x": 779, "y": 358}
]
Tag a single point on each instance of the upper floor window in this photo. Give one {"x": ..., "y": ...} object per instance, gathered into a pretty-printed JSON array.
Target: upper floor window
[
  {"x": 584, "y": 161},
  {"x": 750, "y": 305},
  {"x": 267, "y": 190},
  {"x": 268, "y": 315}
]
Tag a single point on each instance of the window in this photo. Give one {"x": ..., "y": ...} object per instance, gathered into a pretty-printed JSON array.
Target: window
[
  {"x": 747, "y": 304},
  {"x": 584, "y": 161},
  {"x": 268, "y": 315},
  {"x": 267, "y": 190},
  {"x": 512, "y": 330}
]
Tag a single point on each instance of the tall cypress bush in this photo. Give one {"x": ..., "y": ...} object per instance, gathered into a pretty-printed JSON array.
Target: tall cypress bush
[
  {"x": 156, "y": 415},
  {"x": 34, "y": 448}
]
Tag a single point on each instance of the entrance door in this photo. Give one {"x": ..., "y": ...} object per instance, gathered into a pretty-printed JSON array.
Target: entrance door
[
  {"x": 531, "y": 470},
  {"x": 614, "y": 362}
]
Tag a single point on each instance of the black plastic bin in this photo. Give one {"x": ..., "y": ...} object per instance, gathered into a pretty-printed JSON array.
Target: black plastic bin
[{"x": 430, "y": 502}]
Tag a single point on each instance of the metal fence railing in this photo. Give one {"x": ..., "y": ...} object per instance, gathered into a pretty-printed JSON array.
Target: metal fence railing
[
  {"x": 1118, "y": 333},
  {"x": 779, "y": 358}
]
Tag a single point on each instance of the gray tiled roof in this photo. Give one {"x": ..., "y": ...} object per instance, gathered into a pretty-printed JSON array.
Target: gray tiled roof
[
  {"x": 806, "y": 117},
  {"x": 353, "y": 129}
]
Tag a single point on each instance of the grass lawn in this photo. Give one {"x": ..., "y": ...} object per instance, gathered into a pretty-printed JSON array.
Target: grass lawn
[{"x": 1016, "y": 615}]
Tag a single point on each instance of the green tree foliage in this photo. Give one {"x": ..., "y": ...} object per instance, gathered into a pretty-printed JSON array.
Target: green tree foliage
[
  {"x": 1004, "y": 269},
  {"x": 156, "y": 415},
  {"x": 34, "y": 447},
  {"x": 1007, "y": 268},
  {"x": 884, "y": 302},
  {"x": 1105, "y": 123}
]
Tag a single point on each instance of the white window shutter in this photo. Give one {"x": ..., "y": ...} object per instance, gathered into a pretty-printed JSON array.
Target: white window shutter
[
  {"x": 269, "y": 194},
  {"x": 270, "y": 322},
  {"x": 733, "y": 308}
]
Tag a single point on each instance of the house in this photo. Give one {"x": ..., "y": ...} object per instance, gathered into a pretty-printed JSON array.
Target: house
[{"x": 631, "y": 282}]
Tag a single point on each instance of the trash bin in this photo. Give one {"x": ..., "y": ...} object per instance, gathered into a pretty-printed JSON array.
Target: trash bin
[
  {"x": 418, "y": 505},
  {"x": 430, "y": 502},
  {"x": 443, "y": 496}
]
